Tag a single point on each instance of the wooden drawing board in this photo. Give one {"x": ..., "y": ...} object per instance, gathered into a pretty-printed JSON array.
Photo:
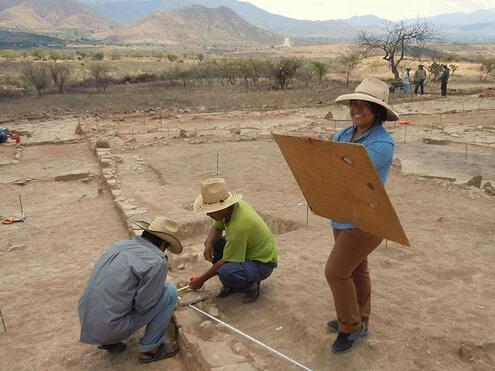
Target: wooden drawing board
[{"x": 340, "y": 182}]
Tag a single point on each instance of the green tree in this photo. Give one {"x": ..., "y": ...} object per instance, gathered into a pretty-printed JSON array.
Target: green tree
[
  {"x": 487, "y": 67},
  {"x": 320, "y": 69},
  {"x": 171, "y": 57},
  {"x": 350, "y": 62},
  {"x": 98, "y": 56}
]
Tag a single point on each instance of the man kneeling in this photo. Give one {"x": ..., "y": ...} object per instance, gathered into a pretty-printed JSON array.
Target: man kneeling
[
  {"x": 127, "y": 290},
  {"x": 248, "y": 252}
]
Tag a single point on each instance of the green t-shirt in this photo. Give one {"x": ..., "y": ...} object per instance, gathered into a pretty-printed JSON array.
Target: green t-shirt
[{"x": 248, "y": 237}]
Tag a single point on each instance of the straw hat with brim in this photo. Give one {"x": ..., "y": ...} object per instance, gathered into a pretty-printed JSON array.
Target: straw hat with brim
[
  {"x": 371, "y": 90},
  {"x": 163, "y": 228},
  {"x": 214, "y": 197}
]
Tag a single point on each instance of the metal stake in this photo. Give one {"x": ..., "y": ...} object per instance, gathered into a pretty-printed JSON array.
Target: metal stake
[
  {"x": 465, "y": 152},
  {"x": 3, "y": 322},
  {"x": 386, "y": 242},
  {"x": 405, "y": 133},
  {"x": 335, "y": 125}
]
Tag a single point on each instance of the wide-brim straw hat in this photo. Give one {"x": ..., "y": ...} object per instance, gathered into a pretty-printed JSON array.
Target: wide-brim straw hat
[
  {"x": 214, "y": 197},
  {"x": 163, "y": 228},
  {"x": 372, "y": 90}
]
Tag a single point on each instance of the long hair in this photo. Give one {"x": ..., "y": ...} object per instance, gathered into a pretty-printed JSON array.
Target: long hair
[{"x": 379, "y": 112}]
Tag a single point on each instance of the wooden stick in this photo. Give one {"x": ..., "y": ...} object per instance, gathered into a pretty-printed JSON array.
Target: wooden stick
[{"x": 3, "y": 322}]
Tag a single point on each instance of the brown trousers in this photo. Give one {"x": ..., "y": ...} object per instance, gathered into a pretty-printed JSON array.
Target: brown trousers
[{"x": 348, "y": 276}]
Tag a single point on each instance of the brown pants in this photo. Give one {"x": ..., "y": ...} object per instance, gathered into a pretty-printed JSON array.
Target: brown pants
[{"x": 348, "y": 276}]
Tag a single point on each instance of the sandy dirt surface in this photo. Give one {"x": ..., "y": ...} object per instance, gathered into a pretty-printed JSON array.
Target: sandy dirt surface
[{"x": 433, "y": 303}]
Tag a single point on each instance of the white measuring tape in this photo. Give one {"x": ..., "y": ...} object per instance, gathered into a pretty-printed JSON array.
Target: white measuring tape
[{"x": 250, "y": 338}]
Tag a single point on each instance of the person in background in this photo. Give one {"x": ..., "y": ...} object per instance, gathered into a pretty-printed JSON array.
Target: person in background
[
  {"x": 406, "y": 83},
  {"x": 346, "y": 270},
  {"x": 419, "y": 79},
  {"x": 444, "y": 78}
]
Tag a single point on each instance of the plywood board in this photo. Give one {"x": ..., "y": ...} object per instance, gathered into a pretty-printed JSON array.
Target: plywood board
[{"x": 340, "y": 182}]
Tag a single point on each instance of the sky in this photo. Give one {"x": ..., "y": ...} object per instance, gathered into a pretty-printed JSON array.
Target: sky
[{"x": 388, "y": 9}]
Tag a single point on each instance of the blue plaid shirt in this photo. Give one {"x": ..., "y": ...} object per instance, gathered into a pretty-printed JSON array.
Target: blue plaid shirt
[
  {"x": 127, "y": 282},
  {"x": 380, "y": 146}
]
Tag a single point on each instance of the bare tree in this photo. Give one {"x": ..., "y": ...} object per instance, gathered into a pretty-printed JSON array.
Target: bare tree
[
  {"x": 397, "y": 38},
  {"x": 350, "y": 61},
  {"x": 36, "y": 76}
]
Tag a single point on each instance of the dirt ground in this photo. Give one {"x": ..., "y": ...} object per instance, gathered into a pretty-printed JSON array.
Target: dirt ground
[{"x": 433, "y": 303}]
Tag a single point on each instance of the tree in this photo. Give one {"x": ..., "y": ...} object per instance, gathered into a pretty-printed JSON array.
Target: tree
[
  {"x": 487, "y": 67},
  {"x": 60, "y": 74},
  {"x": 98, "y": 56},
  {"x": 350, "y": 62},
  {"x": 320, "y": 69},
  {"x": 171, "y": 57},
  {"x": 36, "y": 76},
  {"x": 397, "y": 38},
  {"x": 285, "y": 71},
  {"x": 100, "y": 73}
]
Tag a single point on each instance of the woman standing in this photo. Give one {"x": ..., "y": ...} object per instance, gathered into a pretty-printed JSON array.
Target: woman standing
[{"x": 346, "y": 270}]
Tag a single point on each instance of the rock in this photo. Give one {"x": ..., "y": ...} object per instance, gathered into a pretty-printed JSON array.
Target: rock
[
  {"x": 205, "y": 325},
  {"x": 437, "y": 141},
  {"x": 68, "y": 177},
  {"x": 475, "y": 181},
  {"x": 131, "y": 140},
  {"x": 214, "y": 311},
  {"x": 487, "y": 185},
  {"x": 181, "y": 267},
  {"x": 235, "y": 131},
  {"x": 100, "y": 143},
  {"x": 329, "y": 115},
  {"x": 182, "y": 133},
  {"x": 192, "y": 134},
  {"x": 396, "y": 164},
  {"x": 15, "y": 247}
]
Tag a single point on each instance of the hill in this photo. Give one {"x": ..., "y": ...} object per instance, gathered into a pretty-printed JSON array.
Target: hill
[
  {"x": 195, "y": 26},
  {"x": 23, "y": 40},
  {"x": 454, "y": 26},
  {"x": 51, "y": 16}
]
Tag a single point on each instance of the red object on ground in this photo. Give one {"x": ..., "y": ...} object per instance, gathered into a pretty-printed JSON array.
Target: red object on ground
[
  {"x": 17, "y": 138},
  {"x": 403, "y": 122}
]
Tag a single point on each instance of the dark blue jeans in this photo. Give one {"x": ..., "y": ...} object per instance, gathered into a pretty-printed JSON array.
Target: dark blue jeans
[{"x": 240, "y": 276}]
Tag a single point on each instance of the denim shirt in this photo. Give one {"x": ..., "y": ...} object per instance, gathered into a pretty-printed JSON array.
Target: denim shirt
[{"x": 380, "y": 146}]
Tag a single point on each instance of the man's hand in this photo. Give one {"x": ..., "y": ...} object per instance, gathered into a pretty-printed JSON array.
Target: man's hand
[
  {"x": 196, "y": 283},
  {"x": 208, "y": 253}
]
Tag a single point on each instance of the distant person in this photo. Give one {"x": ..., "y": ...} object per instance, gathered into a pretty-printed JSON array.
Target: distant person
[
  {"x": 346, "y": 270},
  {"x": 444, "y": 78},
  {"x": 127, "y": 291},
  {"x": 406, "y": 83},
  {"x": 247, "y": 254},
  {"x": 419, "y": 79},
  {"x": 4, "y": 135}
]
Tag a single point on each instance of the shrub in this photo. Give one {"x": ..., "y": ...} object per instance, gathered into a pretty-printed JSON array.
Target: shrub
[{"x": 98, "y": 56}]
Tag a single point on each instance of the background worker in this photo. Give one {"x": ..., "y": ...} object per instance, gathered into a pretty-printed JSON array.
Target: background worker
[
  {"x": 346, "y": 270},
  {"x": 406, "y": 83},
  {"x": 419, "y": 79},
  {"x": 444, "y": 78},
  {"x": 248, "y": 253},
  {"x": 127, "y": 291}
]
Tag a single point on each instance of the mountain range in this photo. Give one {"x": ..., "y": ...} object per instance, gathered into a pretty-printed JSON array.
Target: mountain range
[
  {"x": 52, "y": 16},
  {"x": 217, "y": 22},
  {"x": 195, "y": 26}
]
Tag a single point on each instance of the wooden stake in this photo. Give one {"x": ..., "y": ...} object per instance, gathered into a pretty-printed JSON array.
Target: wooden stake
[
  {"x": 465, "y": 152},
  {"x": 20, "y": 203},
  {"x": 405, "y": 133},
  {"x": 307, "y": 214},
  {"x": 3, "y": 322},
  {"x": 218, "y": 155}
]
